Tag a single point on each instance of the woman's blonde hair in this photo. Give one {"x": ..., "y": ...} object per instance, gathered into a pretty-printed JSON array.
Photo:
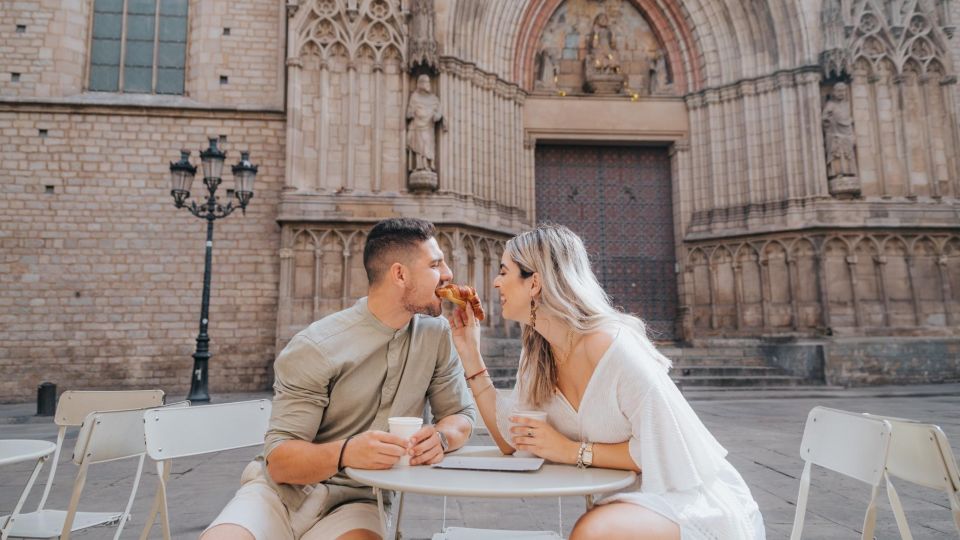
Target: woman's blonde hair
[{"x": 569, "y": 291}]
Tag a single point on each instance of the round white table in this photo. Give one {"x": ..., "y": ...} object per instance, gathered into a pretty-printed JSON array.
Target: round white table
[
  {"x": 549, "y": 481},
  {"x": 17, "y": 451}
]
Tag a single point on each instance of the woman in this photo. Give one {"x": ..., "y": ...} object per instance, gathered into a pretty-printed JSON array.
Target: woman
[{"x": 608, "y": 399}]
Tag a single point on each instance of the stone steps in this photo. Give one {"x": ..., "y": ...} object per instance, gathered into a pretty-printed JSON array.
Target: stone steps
[
  {"x": 740, "y": 381},
  {"x": 737, "y": 365}
]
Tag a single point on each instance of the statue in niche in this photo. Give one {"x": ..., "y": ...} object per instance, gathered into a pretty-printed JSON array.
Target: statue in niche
[
  {"x": 548, "y": 62},
  {"x": 423, "y": 112},
  {"x": 602, "y": 72},
  {"x": 839, "y": 142},
  {"x": 658, "y": 71}
]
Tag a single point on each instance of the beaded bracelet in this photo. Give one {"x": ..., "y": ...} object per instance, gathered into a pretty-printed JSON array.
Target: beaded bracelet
[{"x": 340, "y": 466}]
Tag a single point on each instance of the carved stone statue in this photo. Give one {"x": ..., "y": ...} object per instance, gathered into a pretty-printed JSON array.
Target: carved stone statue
[
  {"x": 602, "y": 71},
  {"x": 548, "y": 68},
  {"x": 839, "y": 143},
  {"x": 423, "y": 112},
  {"x": 658, "y": 71}
]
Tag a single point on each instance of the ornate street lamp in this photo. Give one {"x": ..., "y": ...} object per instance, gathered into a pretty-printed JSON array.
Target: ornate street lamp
[{"x": 181, "y": 180}]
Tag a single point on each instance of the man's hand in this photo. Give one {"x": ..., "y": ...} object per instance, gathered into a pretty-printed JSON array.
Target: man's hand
[
  {"x": 427, "y": 449},
  {"x": 374, "y": 450}
]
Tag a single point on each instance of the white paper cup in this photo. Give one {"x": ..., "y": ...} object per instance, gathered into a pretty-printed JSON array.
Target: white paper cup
[
  {"x": 533, "y": 415},
  {"x": 404, "y": 426}
]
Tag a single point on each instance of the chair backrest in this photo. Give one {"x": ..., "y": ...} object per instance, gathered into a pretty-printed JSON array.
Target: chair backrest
[
  {"x": 109, "y": 435},
  {"x": 74, "y": 406},
  {"x": 847, "y": 443},
  {"x": 921, "y": 454},
  {"x": 173, "y": 433},
  {"x": 850, "y": 444}
]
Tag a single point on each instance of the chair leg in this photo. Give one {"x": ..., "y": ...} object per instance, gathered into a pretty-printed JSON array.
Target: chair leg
[
  {"x": 133, "y": 494},
  {"x": 163, "y": 472},
  {"x": 897, "y": 510},
  {"x": 11, "y": 519},
  {"x": 870, "y": 519},
  {"x": 61, "y": 433},
  {"x": 74, "y": 502},
  {"x": 801, "y": 503},
  {"x": 164, "y": 512},
  {"x": 955, "y": 507}
]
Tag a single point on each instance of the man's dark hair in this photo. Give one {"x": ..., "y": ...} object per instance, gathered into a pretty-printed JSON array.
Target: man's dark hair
[{"x": 389, "y": 239}]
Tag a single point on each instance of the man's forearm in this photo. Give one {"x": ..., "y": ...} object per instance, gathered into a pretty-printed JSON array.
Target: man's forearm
[
  {"x": 457, "y": 428},
  {"x": 302, "y": 462}
]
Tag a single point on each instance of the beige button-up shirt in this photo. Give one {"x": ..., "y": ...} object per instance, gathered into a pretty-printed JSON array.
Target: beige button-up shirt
[{"x": 348, "y": 373}]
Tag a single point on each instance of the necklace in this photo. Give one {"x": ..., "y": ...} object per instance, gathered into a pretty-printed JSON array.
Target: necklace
[{"x": 562, "y": 359}]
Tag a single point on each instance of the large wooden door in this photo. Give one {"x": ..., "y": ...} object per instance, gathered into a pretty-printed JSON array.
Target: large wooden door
[{"x": 618, "y": 199}]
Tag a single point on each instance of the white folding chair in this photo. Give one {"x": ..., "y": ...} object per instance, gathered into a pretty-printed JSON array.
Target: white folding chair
[
  {"x": 177, "y": 433},
  {"x": 850, "y": 444},
  {"x": 72, "y": 409},
  {"x": 920, "y": 453}
]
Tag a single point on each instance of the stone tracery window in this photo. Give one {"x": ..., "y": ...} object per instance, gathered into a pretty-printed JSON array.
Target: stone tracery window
[{"x": 138, "y": 46}]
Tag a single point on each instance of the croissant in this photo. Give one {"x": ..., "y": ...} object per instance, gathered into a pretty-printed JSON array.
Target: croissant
[{"x": 460, "y": 295}]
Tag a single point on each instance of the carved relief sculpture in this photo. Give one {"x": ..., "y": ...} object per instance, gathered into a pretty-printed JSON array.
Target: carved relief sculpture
[
  {"x": 602, "y": 71},
  {"x": 839, "y": 141},
  {"x": 423, "y": 113},
  {"x": 548, "y": 62},
  {"x": 600, "y": 48}
]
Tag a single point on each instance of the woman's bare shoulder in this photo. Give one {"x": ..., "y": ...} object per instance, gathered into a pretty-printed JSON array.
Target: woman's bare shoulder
[{"x": 597, "y": 342}]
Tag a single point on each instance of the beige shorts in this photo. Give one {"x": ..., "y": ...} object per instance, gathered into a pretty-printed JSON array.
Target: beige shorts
[{"x": 257, "y": 508}]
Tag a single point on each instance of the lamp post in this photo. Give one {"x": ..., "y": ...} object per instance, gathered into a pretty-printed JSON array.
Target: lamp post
[{"x": 181, "y": 180}]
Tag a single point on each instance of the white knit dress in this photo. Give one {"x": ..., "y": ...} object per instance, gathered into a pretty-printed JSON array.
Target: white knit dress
[{"x": 685, "y": 474}]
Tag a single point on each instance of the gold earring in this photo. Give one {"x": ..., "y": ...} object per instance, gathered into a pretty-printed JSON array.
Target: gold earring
[{"x": 533, "y": 313}]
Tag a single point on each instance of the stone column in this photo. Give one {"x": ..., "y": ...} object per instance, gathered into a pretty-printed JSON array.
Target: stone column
[
  {"x": 793, "y": 281},
  {"x": 294, "y": 153},
  {"x": 879, "y": 266},
  {"x": 851, "y": 273},
  {"x": 912, "y": 283},
  {"x": 945, "y": 290},
  {"x": 766, "y": 292}
]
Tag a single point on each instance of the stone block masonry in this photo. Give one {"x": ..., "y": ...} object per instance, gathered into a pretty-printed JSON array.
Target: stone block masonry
[{"x": 101, "y": 277}]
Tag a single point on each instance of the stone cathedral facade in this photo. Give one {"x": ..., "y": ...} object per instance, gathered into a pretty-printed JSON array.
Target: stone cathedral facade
[{"x": 782, "y": 175}]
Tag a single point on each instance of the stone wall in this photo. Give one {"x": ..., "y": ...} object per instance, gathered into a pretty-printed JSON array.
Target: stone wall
[
  {"x": 860, "y": 362},
  {"x": 321, "y": 271},
  {"x": 45, "y": 42},
  {"x": 101, "y": 277}
]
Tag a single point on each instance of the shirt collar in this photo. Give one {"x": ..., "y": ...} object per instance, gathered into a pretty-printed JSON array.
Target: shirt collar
[{"x": 377, "y": 324}]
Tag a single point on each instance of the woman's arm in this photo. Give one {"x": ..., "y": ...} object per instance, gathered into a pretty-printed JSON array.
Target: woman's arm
[
  {"x": 466, "y": 338},
  {"x": 541, "y": 439}
]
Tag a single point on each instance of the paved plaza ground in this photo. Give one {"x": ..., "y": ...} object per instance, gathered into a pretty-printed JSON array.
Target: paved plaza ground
[{"x": 761, "y": 430}]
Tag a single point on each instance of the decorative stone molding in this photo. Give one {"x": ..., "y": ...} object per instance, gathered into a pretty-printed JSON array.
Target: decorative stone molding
[
  {"x": 814, "y": 279},
  {"x": 422, "y": 45}
]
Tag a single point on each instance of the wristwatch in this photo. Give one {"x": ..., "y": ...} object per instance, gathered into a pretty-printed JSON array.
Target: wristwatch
[
  {"x": 585, "y": 455},
  {"x": 444, "y": 443}
]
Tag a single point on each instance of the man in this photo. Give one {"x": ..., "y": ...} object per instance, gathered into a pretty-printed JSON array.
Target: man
[{"x": 337, "y": 383}]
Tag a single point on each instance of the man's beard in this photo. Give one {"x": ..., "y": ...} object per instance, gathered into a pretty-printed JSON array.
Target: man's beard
[{"x": 432, "y": 309}]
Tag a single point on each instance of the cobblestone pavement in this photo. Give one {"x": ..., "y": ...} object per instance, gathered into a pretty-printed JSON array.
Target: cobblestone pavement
[{"x": 762, "y": 435}]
